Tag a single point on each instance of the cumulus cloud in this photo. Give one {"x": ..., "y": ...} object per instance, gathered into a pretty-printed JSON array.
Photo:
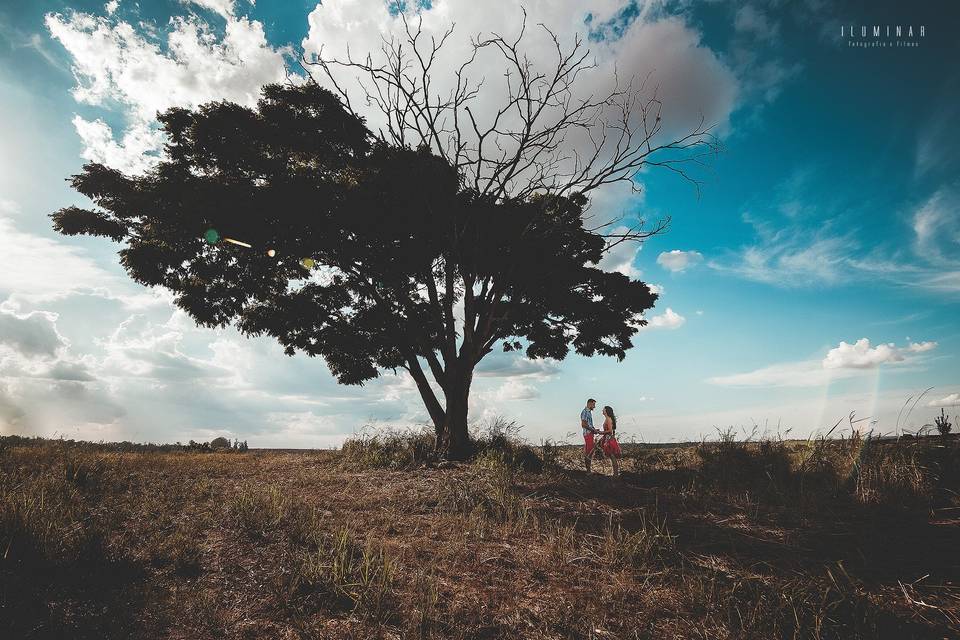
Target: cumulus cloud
[
  {"x": 32, "y": 334},
  {"x": 224, "y": 8},
  {"x": 691, "y": 80},
  {"x": 511, "y": 364},
  {"x": 860, "y": 355},
  {"x": 134, "y": 152},
  {"x": 35, "y": 367},
  {"x": 514, "y": 389},
  {"x": 843, "y": 361},
  {"x": 669, "y": 319},
  {"x": 36, "y": 265},
  {"x": 678, "y": 260},
  {"x": 157, "y": 376},
  {"x": 143, "y": 349},
  {"x": 114, "y": 63},
  {"x": 952, "y": 399},
  {"x": 622, "y": 257}
]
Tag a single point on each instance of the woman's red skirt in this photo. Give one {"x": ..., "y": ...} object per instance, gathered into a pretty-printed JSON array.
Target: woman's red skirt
[{"x": 611, "y": 447}]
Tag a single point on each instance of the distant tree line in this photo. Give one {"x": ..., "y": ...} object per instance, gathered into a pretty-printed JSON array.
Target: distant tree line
[{"x": 219, "y": 445}]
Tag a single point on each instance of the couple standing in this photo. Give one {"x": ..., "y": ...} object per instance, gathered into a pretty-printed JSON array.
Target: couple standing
[{"x": 608, "y": 436}]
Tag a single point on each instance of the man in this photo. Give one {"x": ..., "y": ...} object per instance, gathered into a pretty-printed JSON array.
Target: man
[{"x": 586, "y": 423}]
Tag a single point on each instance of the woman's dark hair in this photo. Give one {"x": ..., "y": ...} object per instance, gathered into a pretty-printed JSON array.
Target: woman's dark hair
[{"x": 609, "y": 411}]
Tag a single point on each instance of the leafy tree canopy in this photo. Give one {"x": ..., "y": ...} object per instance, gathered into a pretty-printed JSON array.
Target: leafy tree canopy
[{"x": 413, "y": 269}]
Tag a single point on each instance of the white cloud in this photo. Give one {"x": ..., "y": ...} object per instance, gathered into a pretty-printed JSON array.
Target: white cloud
[
  {"x": 157, "y": 376},
  {"x": 755, "y": 57},
  {"x": 797, "y": 256},
  {"x": 514, "y": 389},
  {"x": 134, "y": 152},
  {"x": 622, "y": 257},
  {"x": 36, "y": 265},
  {"x": 512, "y": 364},
  {"x": 935, "y": 152},
  {"x": 224, "y": 8},
  {"x": 111, "y": 7},
  {"x": 808, "y": 373},
  {"x": 669, "y": 319},
  {"x": 751, "y": 20},
  {"x": 792, "y": 258},
  {"x": 32, "y": 334},
  {"x": 952, "y": 399},
  {"x": 861, "y": 355},
  {"x": 692, "y": 80},
  {"x": 678, "y": 260},
  {"x": 843, "y": 361},
  {"x": 936, "y": 227},
  {"x": 141, "y": 348},
  {"x": 115, "y": 64}
]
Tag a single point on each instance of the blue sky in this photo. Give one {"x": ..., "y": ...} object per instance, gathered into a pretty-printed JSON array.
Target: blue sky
[{"x": 816, "y": 274}]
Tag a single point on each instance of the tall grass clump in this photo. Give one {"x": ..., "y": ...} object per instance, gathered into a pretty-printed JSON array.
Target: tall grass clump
[
  {"x": 353, "y": 575},
  {"x": 497, "y": 443},
  {"x": 551, "y": 454},
  {"x": 891, "y": 473},
  {"x": 829, "y": 605},
  {"x": 47, "y": 500},
  {"x": 43, "y": 519},
  {"x": 759, "y": 467},
  {"x": 488, "y": 494},
  {"x": 393, "y": 449},
  {"x": 636, "y": 548},
  {"x": 258, "y": 510}
]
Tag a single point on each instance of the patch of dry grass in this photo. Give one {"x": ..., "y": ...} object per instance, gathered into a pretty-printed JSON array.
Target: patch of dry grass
[{"x": 730, "y": 539}]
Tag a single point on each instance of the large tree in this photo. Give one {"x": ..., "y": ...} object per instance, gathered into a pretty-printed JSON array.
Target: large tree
[{"x": 407, "y": 248}]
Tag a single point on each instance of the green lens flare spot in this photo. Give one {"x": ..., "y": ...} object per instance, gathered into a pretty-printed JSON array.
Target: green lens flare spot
[
  {"x": 307, "y": 263},
  {"x": 211, "y": 236}
]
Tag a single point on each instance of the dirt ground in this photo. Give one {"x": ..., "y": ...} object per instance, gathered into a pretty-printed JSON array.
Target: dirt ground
[{"x": 101, "y": 544}]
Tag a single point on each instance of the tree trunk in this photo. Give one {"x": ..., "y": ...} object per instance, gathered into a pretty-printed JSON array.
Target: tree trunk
[
  {"x": 458, "y": 446},
  {"x": 437, "y": 414}
]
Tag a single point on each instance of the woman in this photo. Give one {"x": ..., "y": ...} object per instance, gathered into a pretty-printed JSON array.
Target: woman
[{"x": 611, "y": 448}]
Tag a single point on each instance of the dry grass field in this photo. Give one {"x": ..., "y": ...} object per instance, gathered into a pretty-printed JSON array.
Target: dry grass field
[{"x": 771, "y": 539}]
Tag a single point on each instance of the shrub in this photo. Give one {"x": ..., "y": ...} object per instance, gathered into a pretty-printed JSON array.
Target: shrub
[{"x": 943, "y": 424}]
